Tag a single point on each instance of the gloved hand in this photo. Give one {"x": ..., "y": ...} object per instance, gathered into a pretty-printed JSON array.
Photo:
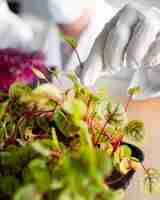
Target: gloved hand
[
  {"x": 124, "y": 42},
  {"x": 14, "y": 33}
]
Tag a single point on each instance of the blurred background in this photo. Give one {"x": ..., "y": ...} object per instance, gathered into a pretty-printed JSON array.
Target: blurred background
[
  {"x": 148, "y": 110},
  {"x": 38, "y": 7}
]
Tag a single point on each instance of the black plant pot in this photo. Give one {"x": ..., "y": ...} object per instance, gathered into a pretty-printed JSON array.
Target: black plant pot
[{"x": 119, "y": 181}]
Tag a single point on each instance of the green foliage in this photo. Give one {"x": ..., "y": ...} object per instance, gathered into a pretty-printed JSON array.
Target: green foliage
[
  {"x": 39, "y": 171},
  {"x": 118, "y": 117},
  {"x": 70, "y": 41},
  {"x": 134, "y": 91},
  {"x": 76, "y": 108},
  {"x": 54, "y": 138},
  {"x": 61, "y": 145},
  {"x": 151, "y": 181},
  {"x": 27, "y": 192},
  {"x": 47, "y": 91},
  {"x": 122, "y": 152},
  {"x": 65, "y": 123},
  {"x": 135, "y": 131},
  {"x": 72, "y": 76},
  {"x": 19, "y": 89},
  {"x": 85, "y": 137},
  {"x": 8, "y": 184}
]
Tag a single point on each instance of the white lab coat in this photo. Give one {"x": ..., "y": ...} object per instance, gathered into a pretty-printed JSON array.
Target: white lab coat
[{"x": 45, "y": 38}]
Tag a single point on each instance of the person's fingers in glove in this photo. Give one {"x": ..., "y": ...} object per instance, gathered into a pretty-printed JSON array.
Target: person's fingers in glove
[
  {"x": 109, "y": 48},
  {"x": 124, "y": 42},
  {"x": 119, "y": 38},
  {"x": 152, "y": 57},
  {"x": 141, "y": 43},
  {"x": 93, "y": 66}
]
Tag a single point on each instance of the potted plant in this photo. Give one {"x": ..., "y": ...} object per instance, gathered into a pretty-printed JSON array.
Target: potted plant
[
  {"x": 67, "y": 144},
  {"x": 64, "y": 144}
]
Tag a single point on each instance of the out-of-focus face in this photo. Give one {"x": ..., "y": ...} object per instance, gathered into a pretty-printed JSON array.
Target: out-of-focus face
[{"x": 67, "y": 12}]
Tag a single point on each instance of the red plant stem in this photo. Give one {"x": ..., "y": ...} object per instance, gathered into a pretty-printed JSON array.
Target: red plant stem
[
  {"x": 79, "y": 59},
  {"x": 128, "y": 103},
  {"x": 90, "y": 122},
  {"x": 103, "y": 128},
  {"x": 94, "y": 125},
  {"x": 78, "y": 56},
  {"x": 55, "y": 154},
  {"x": 41, "y": 136},
  {"x": 103, "y": 131},
  {"x": 88, "y": 108},
  {"x": 39, "y": 113},
  {"x": 93, "y": 137},
  {"x": 144, "y": 168}
]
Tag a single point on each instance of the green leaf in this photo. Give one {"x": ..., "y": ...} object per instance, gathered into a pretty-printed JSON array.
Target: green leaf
[
  {"x": 46, "y": 91},
  {"x": 8, "y": 184},
  {"x": 3, "y": 134},
  {"x": 151, "y": 181},
  {"x": 118, "y": 117},
  {"x": 65, "y": 123},
  {"x": 70, "y": 41},
  {"x": 3, "y": 107},
  {"x": 135, "y": 131},
  {"x": 27, "y": 192},
  {"x": 122, "y": 152},
  {"x": 61, "y": 122},
  {"x": 125, "y": 151},
  {"x": 134, "y": 91},
  {"x": 75, "y": 107},
  {"x": 103, "y": 163},
  {"x": 40, "y": 173},
  {"x": 109, "y": 194},
  {"x": 102, "y": 108},
  {"x": 18, "y": 89},
  {"x": 85, "y": 137},
  {"x": 73, "y": 77},
  {"x": 38, "y": 147},
  {"x": 54, "y": 138}
]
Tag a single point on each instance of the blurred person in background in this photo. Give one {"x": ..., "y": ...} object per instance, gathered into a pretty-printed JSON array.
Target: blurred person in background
[{"x": 110, "y": 46}]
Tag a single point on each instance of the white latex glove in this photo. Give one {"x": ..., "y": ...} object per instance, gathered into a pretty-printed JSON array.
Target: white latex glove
[
  {"x": 147, "y": 77},
  {"x": 13, "y": 32},
  {"x": 125, "y": 40}
]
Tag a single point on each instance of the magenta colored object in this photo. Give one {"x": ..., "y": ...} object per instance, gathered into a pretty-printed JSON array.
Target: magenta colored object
[{"x": 16, "y": 65}]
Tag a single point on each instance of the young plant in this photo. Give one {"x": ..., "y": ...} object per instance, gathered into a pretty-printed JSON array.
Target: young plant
[
  {"x": 67, "y": 144},
  {"x": 58, "y": 144}
]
